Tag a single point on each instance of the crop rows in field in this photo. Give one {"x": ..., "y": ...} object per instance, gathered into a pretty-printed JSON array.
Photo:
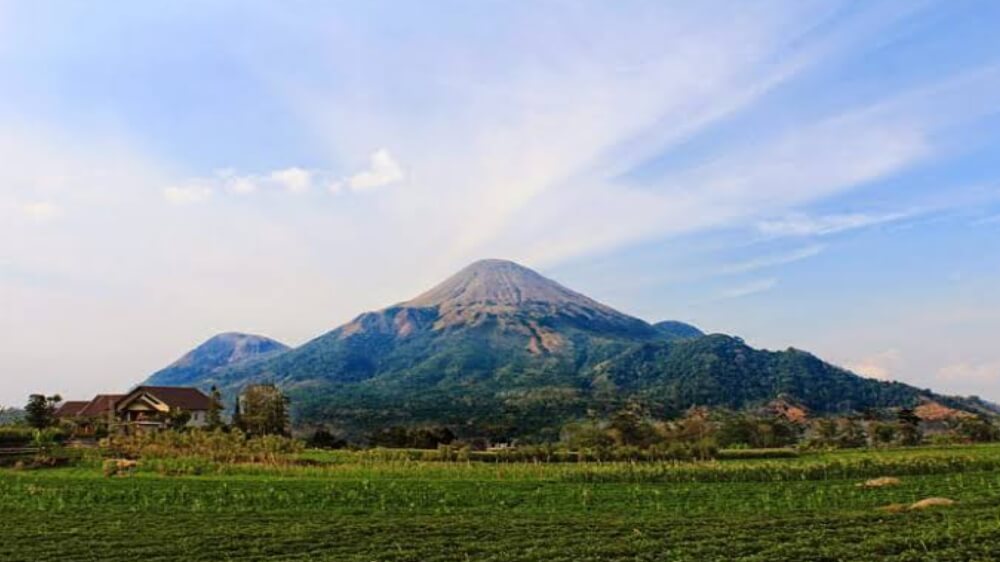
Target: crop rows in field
[
  {"x": 966, "y": 535},
  {"x": 344, "y": 509}
]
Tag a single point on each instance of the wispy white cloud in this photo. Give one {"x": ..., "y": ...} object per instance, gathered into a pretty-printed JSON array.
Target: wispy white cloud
[
  {"x": 772, "y": 260},
  {"x": 800, "y": 224},
  {"x": 751, "y": 288}
]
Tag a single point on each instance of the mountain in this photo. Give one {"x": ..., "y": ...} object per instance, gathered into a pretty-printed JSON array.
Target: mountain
[
  {"x": 498, "y": 350},
  {"x": 223, "y": 350},
  {"x": 677, "y": 330}
]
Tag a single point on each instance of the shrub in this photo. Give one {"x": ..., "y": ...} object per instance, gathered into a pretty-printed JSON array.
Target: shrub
[
  {"x": 217, "y": 446},
  {"x": 16, "y": 436}
]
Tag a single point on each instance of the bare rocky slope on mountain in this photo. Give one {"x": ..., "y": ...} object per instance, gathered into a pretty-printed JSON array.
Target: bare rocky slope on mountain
[{"x": 498, "y": 350}]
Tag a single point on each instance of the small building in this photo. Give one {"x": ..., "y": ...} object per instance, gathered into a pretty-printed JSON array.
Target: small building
[{"x": 151, "y": 407}]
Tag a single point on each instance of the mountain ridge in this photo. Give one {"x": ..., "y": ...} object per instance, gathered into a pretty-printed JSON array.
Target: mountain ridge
[{"x": 499, "y": 350}]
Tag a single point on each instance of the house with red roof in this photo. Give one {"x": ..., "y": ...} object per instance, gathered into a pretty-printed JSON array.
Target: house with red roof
[
  {"x": 152, "y": 407},
  {"x": 145, "y": 407}
]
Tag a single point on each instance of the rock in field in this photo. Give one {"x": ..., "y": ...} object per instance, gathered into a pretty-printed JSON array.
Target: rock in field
[
  {"x": 880, "y": 482},
  {"x": 933, "y": 502}
]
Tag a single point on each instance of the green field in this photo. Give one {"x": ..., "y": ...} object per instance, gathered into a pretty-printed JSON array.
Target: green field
[{"x": 343, "y": 506}]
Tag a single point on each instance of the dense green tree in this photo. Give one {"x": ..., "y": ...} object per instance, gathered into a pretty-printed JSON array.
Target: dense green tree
[
  {"x": 264, "y": 410},
  {"x": 586, "y": 435},
  {"x": 825, "y": 432},
  {"x": 978, "y": 430},
  {"x": 631, "y": 426},
  {"x": 757, "y": 432},
  {"x": 40, "y": 411},
  {"x": 851, "y": 434},
  {"x": 883, "y": 433},
  {"x": 909, "y": 427},
  {"x": 237, "y": 421}
]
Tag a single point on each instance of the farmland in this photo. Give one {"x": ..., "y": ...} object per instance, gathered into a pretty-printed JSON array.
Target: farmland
[{"x": 363, "y": 506}]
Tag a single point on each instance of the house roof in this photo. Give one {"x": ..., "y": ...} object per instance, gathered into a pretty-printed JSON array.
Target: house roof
[
  {"x": 100, "y": 405},
  {"x": 183, "y": 398},
  {"x": 71, "y": 408}
]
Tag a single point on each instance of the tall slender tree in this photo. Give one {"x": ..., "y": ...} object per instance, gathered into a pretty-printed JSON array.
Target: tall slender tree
[
  {"x": 238, "y": 416},
  {"x": 214, "y": 419}
]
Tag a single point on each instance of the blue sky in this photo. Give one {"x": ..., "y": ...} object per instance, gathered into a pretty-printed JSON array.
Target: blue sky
[{"x": 823, "y": 175}]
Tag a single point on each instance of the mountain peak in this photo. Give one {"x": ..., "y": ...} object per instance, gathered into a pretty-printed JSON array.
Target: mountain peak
[
  {"x": 498, "y": 282},
  {"x": 233, "y": 347},
  {"x": 221, "y": 350}
]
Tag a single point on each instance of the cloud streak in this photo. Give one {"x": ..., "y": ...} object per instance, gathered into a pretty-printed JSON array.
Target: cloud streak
[
  {"x": 773, "y": 260},
  {"x": 799, "y": 224},
  {"x": 748, "y": 289}
]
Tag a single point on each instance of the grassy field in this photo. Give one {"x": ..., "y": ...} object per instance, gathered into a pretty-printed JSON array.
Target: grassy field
[{"x": 343, "y": 506}]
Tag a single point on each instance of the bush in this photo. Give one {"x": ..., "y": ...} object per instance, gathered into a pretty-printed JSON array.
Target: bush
[
  {"x": 16, "y": 436},
  {"x": 323, "y": 439},
  {"x": 216, "y": 446}
]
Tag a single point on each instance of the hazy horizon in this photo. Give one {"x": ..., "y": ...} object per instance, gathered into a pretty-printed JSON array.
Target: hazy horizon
[{"x": 818, "y": 175}]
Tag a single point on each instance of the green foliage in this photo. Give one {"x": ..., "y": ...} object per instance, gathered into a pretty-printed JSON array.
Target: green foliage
[
  {"x": 412, "y": 438},
  {"x": 178, "y": 419},
  {"x": 507, "y": 393},
  {"x": 40, "y": 412},
  {"x": 322, "y": 438},
  {"x": 908, "y": 426},
  {"x": 883, "y": 433},
  {"x": 631, "y": 426},
  {"x": 977, "y": 430},
  {"x": 14, "y": 436},
  {"x": 216, "y": 446},
  {"x": 264, "y": 410},
  {"x": 757, "y": 432},
  {"x": 840, "y": 433}
]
